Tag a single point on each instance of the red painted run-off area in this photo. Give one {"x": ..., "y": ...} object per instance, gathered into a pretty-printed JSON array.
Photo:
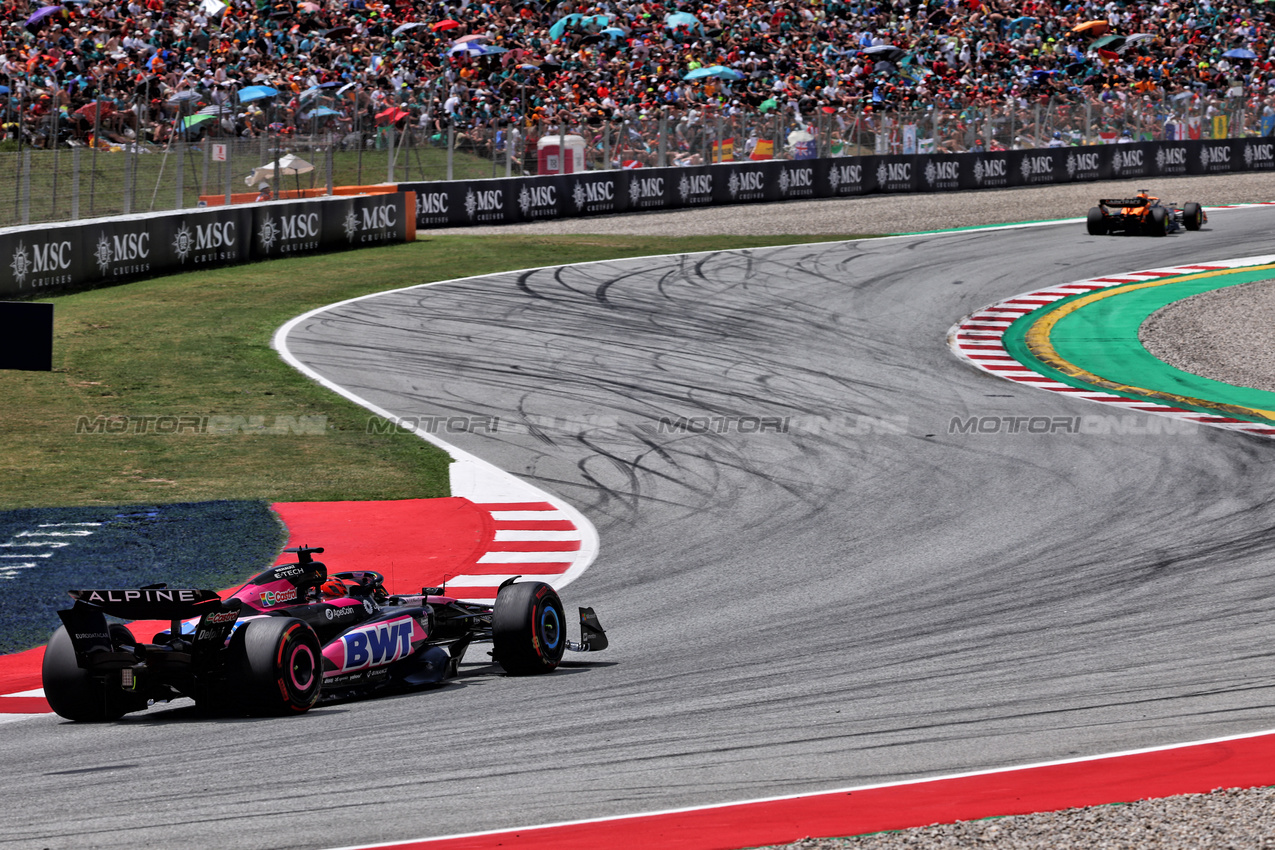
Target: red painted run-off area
[
  {"x": 1194, "y": 769},
  {"x": 414, "y": 543}
]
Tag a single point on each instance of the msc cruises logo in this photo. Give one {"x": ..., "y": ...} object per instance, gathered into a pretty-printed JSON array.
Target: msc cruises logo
[{"x": 21, "y": 264}]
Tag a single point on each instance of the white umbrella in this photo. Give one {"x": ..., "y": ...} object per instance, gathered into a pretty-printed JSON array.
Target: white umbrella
[{"x": 287, "y": 165}]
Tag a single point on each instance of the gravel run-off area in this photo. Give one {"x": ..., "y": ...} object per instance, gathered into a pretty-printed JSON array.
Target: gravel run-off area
[{"x": 1225, "y": 335}]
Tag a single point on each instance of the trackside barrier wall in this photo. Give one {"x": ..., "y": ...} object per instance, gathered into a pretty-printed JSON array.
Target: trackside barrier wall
[
  {"x": 522, "y": 199},
  {"x": 98, "y": 252}
]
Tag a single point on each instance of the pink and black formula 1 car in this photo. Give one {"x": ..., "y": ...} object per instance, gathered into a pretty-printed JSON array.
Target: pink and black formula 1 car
[{"x": 291, "y": 636}]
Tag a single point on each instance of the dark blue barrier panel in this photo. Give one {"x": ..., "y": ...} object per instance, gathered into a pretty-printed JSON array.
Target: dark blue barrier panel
[
  {"x": 516, "y": 199},
  {"x": 595, "y": 193},
  {"x": 1218, "y": 157},
  {"x": 742, "y": 182},
  {"x": 654, "y": 188},
  {"x": 40, "y": 260},
  {"x": 101, "y": 252}
]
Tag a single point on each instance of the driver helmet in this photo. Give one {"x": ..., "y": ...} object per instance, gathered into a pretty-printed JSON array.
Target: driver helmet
[{"x": 334, "y": 588}]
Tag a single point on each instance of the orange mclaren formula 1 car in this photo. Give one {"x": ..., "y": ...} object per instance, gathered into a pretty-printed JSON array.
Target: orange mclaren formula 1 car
[{"x": 1143, "y": 215}]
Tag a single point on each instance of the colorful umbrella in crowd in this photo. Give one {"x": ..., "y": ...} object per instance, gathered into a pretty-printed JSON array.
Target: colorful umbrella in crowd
[
  {"x": 250, "y": 93},
  {"x": 321, "y": 112},
  {"x": 1019, "y": 24},
  {"x": 89, "y": 111},
  {"x": 391, "y": 116},
  {"x": 191, "y": 120},
  {"x": 399, "y": 30},
  {"x": 673, "y": 20},
  {"x": 41, "y": 14},
  {"x": 560, "y": 26},
  {"x": 719, "y": 71},
  {"x": 1240, "y": 53},
  {"x": 286, "y": 166},
  {"x": 1108, "y": 42},
  {"x": 1092, "y": 27},
  {"x": 447, "y": 24}
]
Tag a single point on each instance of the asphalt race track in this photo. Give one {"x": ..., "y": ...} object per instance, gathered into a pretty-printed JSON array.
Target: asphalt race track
[{"x": 812, "y": 585}]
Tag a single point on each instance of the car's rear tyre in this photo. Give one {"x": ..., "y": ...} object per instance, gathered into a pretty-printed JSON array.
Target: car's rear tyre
[
  {"x": 1192, "y": 216},
  {"x": 275, "y": 667},
  {"x": 1158, "y": 221},
  {"x": 1097, "y": 222},
  {"x": 528, "y": 629},
  {"x": 73, "y": 693}
]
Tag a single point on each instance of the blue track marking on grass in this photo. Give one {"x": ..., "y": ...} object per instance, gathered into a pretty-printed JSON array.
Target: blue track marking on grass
[{"x": 46, "y": 551}]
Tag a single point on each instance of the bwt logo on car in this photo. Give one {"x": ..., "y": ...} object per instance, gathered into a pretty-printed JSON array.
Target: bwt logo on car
[{"x": 374, "y": 645}]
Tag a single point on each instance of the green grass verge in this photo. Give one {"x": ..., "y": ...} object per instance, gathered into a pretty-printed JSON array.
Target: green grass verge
[{"x": 198, "y": 345}]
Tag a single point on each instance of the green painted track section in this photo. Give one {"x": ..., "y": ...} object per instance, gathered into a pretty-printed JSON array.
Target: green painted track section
[{"x": 1101, "y": 338}]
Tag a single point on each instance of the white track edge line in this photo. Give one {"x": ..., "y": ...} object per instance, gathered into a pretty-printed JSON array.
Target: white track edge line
[{"x": 805, "y": 795}]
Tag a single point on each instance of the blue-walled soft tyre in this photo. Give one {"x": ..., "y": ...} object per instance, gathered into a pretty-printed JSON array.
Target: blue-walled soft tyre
[{"x": 528, "y": 629}]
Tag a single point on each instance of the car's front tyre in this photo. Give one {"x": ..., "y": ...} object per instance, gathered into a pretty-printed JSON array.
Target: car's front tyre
[
  {"x": 528, "y": 629},
  {"x": 1192, "y": 216}
]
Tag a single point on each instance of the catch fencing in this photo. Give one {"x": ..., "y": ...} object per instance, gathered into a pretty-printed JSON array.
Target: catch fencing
[{"x": 122, "y": 176}]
